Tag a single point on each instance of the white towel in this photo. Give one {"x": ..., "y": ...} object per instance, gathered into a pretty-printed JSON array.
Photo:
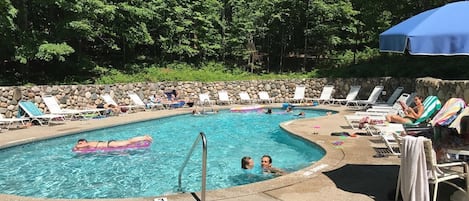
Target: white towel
[{"x": 413, "y": 170}]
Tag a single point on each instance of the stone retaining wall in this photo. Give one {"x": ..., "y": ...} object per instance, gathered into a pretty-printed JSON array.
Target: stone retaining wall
[{"x": 88, "y": 96}]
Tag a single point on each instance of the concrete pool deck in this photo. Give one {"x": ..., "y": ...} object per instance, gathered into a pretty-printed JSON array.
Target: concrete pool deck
[{"x": 347, "y": 172}]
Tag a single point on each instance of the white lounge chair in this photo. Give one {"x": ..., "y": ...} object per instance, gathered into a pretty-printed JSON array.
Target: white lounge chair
[
  {"x": 396, "y": 107},
  {"x": 54, "y": 108},
  {"x": 30, "y": 110},
  {"x": 299, "y": 95},
  {"x": 352, "y": 94},
  {"x": 8, "y": 122},
  {"x": 223, "y": 97},
  {"x": 376, "y": 114},
  {"x": 326, "y": 95},
  {"x": 392, "y": 99},
  {"x": 109, "y": 100},
  {"x": 138, "y": 103},
  {"x": 154, "y": 102},
  {"x": 382, "y": 110},
  {"x": 431, "y": 105},
  {"x": 244, "y": 97},
  {"x": 204, "y": 99},
  {"x": 264, "y": 97},
  {"x": 360, "y": 104}
]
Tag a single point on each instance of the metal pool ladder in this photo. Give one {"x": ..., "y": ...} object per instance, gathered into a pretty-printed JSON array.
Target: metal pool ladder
[{"x": 204, "y": 164}]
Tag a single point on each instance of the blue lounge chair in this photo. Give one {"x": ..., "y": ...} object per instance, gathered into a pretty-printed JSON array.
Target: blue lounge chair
[{"x": 30, "y": 110}]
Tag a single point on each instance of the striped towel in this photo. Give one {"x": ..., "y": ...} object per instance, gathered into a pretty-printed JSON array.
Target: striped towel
[{"x": 449, "y": 112}]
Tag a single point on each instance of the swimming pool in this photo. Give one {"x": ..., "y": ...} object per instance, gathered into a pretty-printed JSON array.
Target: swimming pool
[{"x": 49, "y": 169}]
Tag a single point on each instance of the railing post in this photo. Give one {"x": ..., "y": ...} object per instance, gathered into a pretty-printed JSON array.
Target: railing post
[{"x": 204, "y": 164}]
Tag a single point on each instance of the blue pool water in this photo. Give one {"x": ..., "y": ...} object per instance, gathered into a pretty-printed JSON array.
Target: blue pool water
[{"x": 49, "y": 168}]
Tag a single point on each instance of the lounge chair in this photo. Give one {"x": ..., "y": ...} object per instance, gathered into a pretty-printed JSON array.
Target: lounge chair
[
  {"x": 405, "y": 97},
  {"x": 154, "y": 102},
  {"x": 361, "y": 104},
  {"x": 392, "y": 99},
  {"x": 29, "y": 110},
  {"x": 204, "y": 100},
  {"x": 431, "y": 104},
  {"x": 244, "y": 97},
  {"x": 223, "y": 97},
  {"x": 299, "y": 95},
  {"x": 109, "y": 100},
  {"x": 447, "y": 118},
  {"x": 352, "y": 94},
  {"x": 54, "y": 108},
  {"x": 456, "y": 124},
  {"x": 326, "y": 95},
  {"x": 419, "y": 168},
  {"x": 382, "y": 110},
  {"x": 449, "y": 112},
  {"x": 264, "y": 97},
  {"x": 8, "y": 122},
  {"x": 138, "y": 103}
]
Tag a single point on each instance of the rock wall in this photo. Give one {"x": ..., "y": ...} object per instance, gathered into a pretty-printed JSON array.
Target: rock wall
[{"x": 88, "y": 96}]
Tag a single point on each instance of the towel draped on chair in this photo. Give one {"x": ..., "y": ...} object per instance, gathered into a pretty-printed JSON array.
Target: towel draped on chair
[{"x": 413, "y": 170}]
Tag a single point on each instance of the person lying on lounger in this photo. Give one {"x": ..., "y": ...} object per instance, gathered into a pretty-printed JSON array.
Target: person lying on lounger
[
  {"x": 410, "y": 114},
  {"x": 84, "y": 144}
]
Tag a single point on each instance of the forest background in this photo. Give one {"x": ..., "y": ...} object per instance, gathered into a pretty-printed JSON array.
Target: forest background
[{"x": 109, "y": 41}]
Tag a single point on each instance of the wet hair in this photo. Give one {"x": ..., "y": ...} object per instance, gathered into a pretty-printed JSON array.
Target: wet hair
[
  {"x": 269, "y": 111},
  {"x": 267, "y": 156},
  {"x": 82, "y": 140},
  {"x": 245, "y": 162}
]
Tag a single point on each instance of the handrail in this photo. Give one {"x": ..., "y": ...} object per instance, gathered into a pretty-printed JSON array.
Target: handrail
[{"x": 204, "y": 164}]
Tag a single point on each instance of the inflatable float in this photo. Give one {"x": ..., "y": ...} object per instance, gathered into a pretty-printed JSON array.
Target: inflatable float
[
  {"x": 137, "y": 145},
  {"x": 254, "y": 108}
]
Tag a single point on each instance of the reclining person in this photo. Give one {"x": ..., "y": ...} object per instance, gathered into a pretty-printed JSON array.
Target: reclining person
[
  {"x": 84, "y": 144},
  {"x": 410, "y": 114}
]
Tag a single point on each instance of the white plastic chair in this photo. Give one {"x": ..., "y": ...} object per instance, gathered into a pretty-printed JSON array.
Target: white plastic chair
[
  {"x": 54, "y": 108},
  {"x": 359, "y": 104},
  {"x": 434, "y": 172},
  {"x": 352, "y": 94},
  {"x": 109, "y": 100},
  {"x": 138, "y": 103},
  {"x": 204, "y": 100},
  {"x": 299, "y": 95},
  {"x": 326, "y": 94},
  {"x": 244, "y": 97},
  {"x": 223, "y": 97},
  {"x": 264, "y": 97}
]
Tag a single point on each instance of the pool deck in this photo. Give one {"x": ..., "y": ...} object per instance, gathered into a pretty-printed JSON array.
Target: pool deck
[{"x": 347, "y": 172}]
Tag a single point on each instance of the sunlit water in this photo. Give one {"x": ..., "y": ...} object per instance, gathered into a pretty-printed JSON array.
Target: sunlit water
[{"x": 49, "y": 168}]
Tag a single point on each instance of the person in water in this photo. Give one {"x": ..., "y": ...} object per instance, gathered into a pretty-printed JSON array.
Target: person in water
[
  {"x": 84, "y": 144},
  {"x": 266, "y": 162},
  {"x": 247, "y": 163}
]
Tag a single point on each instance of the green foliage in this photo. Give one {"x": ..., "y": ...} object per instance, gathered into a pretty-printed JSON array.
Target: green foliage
[
  {"x": 208, "y": 72},
  {"x": 49, "y": 51},
  {"x": 67, "y": 41},
  {"x": 350, "y": 58}
]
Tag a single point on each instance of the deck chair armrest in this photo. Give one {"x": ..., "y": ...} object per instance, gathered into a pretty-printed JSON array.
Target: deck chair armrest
[{"x": 450, "y": 164}]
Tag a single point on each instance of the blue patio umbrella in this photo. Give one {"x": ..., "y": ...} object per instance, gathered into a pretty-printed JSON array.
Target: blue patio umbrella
[{"x": 440, "y": 31}]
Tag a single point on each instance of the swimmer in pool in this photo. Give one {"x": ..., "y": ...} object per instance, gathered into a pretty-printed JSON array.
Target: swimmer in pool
[
  {"x": 247, "y": 163},
  {"x": 267, "y": 167},
  {"x": 84, "y": 144}
]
